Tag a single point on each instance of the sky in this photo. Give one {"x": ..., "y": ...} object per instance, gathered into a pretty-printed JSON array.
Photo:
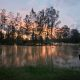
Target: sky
[{"x": 69, "y": 9}]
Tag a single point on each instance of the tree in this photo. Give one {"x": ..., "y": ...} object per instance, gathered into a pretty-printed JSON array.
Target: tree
[
  {"x": 40, "y": 21},
  {"x": 66, "y": 32},
  {"x": 3, "y": 17},
  {"x": 41, "y": 18},
  {"x": 18, "y": 19},
  {"x": 51, "y": 16},
  {"x": 27, "y": 21},
  {"x": 33, "y": 16},
  {"x": 75, "y": 35},
  {"x": 10, "y": 18},
  {"x": 3, "y": 25}
]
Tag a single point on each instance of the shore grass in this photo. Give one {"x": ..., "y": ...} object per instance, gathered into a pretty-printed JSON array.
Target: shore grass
[{"x": 38, "y": 73}]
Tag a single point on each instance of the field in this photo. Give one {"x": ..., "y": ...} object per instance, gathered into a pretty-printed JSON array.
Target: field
[{"x": 38, "y": 73}]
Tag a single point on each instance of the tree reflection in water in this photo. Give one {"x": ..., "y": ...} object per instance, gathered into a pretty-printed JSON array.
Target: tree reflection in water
[{"x": 58, "y": 55}]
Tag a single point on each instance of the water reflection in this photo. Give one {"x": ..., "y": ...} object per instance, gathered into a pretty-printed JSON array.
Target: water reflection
[{"x": 59, "y": 55}]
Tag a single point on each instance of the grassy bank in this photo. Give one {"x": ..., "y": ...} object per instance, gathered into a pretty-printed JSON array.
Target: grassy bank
[{"x": 38, "y": 73}]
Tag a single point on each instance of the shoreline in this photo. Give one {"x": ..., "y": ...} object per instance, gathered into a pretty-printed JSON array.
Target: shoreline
[{"x": 39, "y": 44}]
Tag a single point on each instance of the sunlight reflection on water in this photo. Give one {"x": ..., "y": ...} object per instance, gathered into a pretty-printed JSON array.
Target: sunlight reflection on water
[{"x": 57, "y": 55}]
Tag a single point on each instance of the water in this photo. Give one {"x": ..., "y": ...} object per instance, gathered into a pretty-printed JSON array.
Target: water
[{"x": 57, "y": 55}]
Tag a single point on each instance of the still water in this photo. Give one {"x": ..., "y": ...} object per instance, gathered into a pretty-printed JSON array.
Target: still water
[{"x": 57, "y": 55}]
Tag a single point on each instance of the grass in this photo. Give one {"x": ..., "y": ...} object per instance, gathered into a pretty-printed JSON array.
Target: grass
[{"x": 38, "y": 73}]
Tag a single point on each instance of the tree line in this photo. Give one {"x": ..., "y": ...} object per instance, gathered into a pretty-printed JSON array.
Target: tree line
[{"x": 37, "y": 27}]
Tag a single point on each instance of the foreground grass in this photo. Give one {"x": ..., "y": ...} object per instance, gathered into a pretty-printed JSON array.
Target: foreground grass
[{"x": 38, "y": 73}]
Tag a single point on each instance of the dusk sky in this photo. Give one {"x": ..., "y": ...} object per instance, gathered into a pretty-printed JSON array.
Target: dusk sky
[{"x": 69, "y": 9}]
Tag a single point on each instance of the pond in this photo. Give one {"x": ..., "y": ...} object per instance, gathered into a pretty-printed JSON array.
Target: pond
[{"x": 55, "y": 55}]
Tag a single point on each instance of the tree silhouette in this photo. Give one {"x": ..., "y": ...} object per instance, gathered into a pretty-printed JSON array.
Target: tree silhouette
[
  {"x": 75, "y": 36},
  {"x": 51, "y": 16},
  {"x": 38, "y": 26}
]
